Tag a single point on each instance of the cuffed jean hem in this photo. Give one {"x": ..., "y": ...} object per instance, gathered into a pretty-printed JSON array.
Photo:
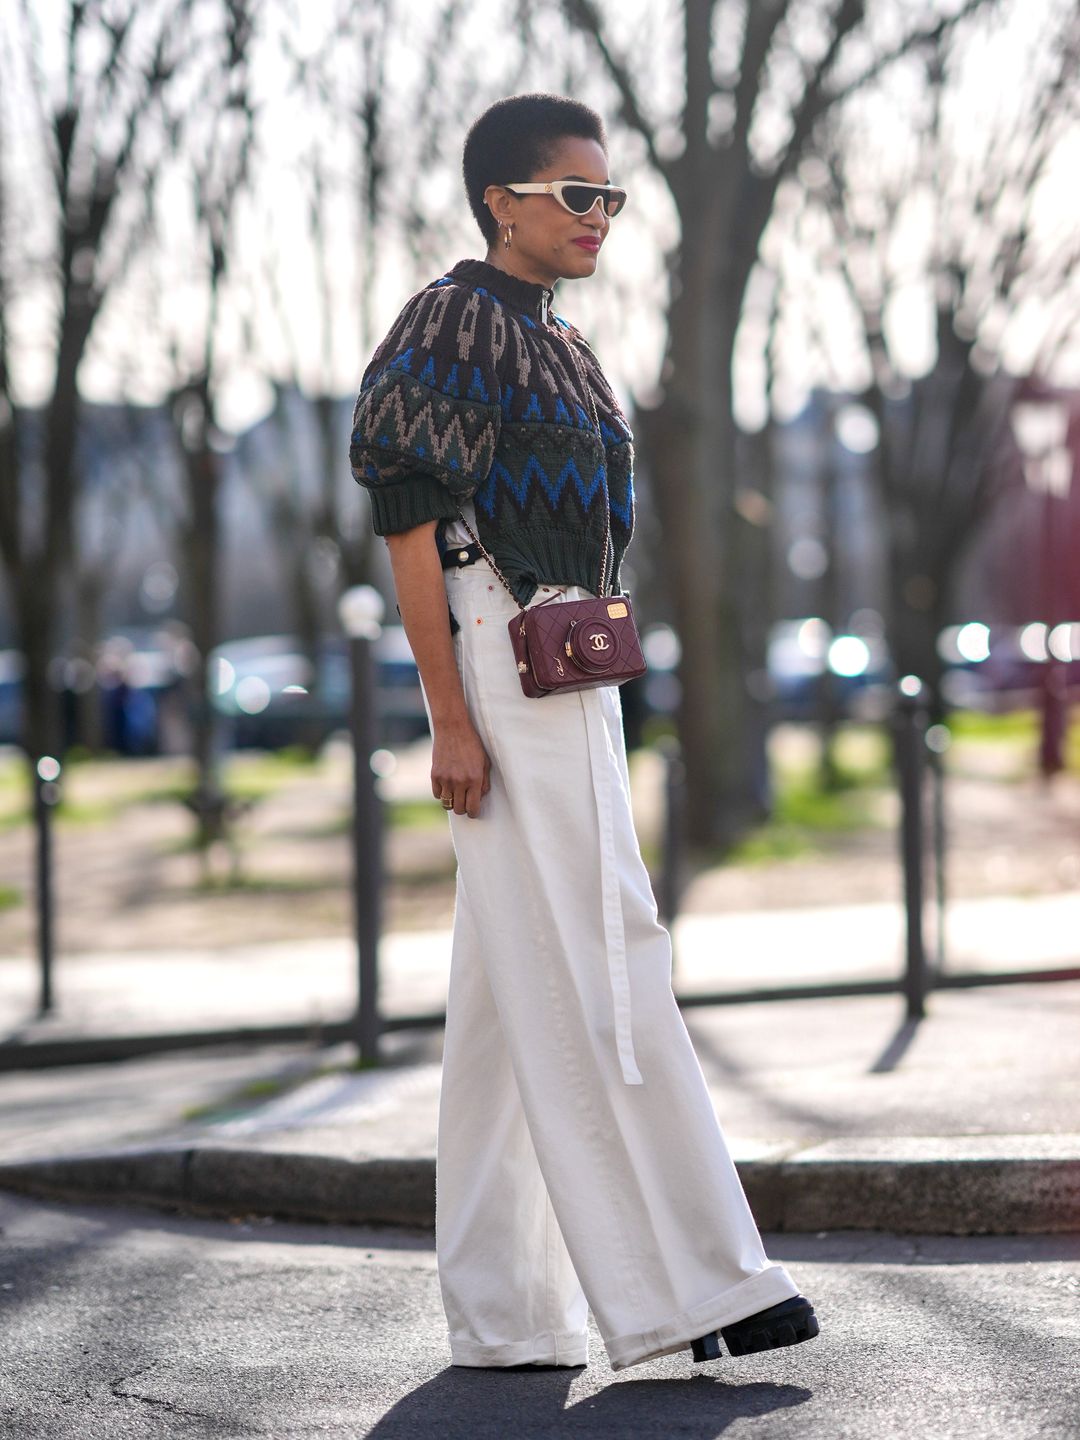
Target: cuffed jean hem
[
  {"x": 766, "y": 1288},
  {"x": 548, "y": 1348}
]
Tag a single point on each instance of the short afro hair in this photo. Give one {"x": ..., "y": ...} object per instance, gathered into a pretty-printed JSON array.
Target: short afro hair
[{"x": 514, "y": 138}]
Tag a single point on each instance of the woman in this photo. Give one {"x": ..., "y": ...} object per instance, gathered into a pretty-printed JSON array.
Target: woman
[{"x": 580, "y": 1163}]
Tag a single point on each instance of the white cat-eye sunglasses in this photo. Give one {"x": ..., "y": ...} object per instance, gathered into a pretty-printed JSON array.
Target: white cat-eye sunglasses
[{"x": 573, "y": 195}]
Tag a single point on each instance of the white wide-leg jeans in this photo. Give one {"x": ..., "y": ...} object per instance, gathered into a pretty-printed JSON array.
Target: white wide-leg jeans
[{"x": 580, "y": 1163}]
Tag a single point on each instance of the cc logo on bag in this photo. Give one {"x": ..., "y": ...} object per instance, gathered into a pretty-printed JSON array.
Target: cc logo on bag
[{"x": 593, "y": 645}]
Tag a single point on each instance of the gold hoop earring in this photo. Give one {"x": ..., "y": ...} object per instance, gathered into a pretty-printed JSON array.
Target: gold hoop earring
[{"x": 507, "y": 237}]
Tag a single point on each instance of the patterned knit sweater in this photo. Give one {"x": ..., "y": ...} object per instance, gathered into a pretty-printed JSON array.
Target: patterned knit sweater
[{"x": 474, "y": 394}]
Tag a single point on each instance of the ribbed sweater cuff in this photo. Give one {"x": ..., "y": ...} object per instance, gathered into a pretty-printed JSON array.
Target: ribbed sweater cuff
[{"x": 410, "y": 502}]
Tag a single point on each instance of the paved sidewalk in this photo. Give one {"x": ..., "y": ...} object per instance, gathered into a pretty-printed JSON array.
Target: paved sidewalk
[
  {"x": 839, "y": 1116},
  {"x": 313, "y": 982}
]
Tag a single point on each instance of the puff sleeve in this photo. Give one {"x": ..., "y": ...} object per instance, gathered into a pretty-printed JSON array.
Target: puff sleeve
[{"x": 426, "y": 421}]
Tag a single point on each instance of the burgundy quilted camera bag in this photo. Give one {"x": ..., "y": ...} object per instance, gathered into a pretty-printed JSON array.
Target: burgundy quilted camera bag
[{"x": 576, "y": 644}]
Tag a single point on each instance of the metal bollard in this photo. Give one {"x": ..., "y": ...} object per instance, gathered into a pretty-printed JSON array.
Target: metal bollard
[
  {"x": 909, "y": 732},
  {"x": 46, "y": 798},
  {"x": 938, "y": 740},
  {"x": 360, "y": 610}
]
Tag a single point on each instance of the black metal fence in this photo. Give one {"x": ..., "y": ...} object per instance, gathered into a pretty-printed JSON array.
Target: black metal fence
[{"x": 920, "y": 781}]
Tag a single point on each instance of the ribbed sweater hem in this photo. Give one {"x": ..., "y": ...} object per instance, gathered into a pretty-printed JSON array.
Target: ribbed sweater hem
[
  {"x": 412, "y": 501},
  {"x": 530, "y": 556}
]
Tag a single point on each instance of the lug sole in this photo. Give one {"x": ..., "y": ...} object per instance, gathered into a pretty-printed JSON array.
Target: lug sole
[{"x": 789, "y": 1323}]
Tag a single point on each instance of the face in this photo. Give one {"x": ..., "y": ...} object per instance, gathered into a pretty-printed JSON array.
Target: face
[{"x": 547, "y": 242}]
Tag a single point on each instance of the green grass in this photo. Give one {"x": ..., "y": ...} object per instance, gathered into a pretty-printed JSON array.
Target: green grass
[
  {"x": 804, "y": 813},
  {"x": 1020, "y": 728},
  {"x": 13, "y": 777},
  {"x": 416, "y": 814},
  {"x": 14, "y": 793},
  {"x": 264, "y": 885},
  {"x": 399, "y": 814},
  {"x": 979, "y": 725},
  {"x": 802, "y": 804},
  {"x": 857, "y": 766},
  {"x": 1072, "y": 748},
  {"x": 79, "y": 813},
  {"x": 251, "y": 776},
  {"x": 10, "y": 897},
  {"x": 244, "y": 777},
  {"x": 657, "y": 726},
  {"x": 769, "y": 842},
  {"x": 240, "y": 1099}
]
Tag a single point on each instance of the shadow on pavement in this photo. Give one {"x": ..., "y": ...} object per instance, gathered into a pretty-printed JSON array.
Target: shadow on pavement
[
  {"x": 474, "y": 1403},
  {"x": 718, "y": 1063},
  {"x": 897, "y": 1047}
]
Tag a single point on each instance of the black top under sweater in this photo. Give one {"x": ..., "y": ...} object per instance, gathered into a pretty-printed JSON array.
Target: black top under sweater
[{"x": 473, "y": 395}]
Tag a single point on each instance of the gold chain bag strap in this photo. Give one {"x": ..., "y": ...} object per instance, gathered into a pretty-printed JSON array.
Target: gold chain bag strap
[{"x": 574, "y": 644}]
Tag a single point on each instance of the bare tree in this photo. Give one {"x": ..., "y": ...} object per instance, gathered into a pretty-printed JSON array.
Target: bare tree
[
  {"x": 117, "y": 469},
  {"x": 375, "y": 165},
  {"x": 946, "y": 454},
  {"x": 355, "y": 46},
  {"x": 216, "y": 148},
  {"x": 757, "y": 79},
  {"x": 94, "y": 122}
]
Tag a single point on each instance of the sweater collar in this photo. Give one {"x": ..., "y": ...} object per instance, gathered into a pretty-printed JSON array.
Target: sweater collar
[{"x": 535, "y": 300}]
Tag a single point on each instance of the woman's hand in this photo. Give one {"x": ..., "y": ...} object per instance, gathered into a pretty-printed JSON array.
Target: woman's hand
[{"x": 460, "y": 766}]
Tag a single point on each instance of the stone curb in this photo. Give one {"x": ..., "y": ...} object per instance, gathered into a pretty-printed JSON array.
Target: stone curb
[
  {"x": 819, "y": 1188},
  {"x": 216, "y": 1180}
]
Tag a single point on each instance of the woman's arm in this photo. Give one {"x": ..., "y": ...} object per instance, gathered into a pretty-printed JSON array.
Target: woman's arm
[{"x": 459, "y": 762}]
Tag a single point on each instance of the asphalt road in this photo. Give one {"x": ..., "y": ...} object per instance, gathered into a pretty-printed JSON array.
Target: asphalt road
[{"x": 121, "y": 1323}]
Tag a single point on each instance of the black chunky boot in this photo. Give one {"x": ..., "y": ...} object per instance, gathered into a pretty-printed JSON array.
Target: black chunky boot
[{"x": 788, "y": 1323}]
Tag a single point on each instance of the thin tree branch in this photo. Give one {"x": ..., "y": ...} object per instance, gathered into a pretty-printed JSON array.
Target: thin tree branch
[
  {"x": 762, "y": 23},
  {"x": 584, "y": 15}
]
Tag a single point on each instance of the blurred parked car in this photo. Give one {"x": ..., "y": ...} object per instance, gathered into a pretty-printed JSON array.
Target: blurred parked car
[
  {"x": 265, "y": 687},
  {"x": 804, "y": 655},
  {"x": 272, "y": 695},
  {"x": 11, "y": 672},
  {"x": 135, "y": 674},
  {"x": 140, "y": 674},
  {"x": 1003, "y": 667}
]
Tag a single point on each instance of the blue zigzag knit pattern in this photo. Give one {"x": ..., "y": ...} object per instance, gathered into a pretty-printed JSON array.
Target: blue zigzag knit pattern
[{"x": 472, "y": 395}]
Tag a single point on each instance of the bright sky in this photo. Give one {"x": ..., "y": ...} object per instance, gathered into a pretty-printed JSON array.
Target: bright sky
[{"x": 274, "y": 289}]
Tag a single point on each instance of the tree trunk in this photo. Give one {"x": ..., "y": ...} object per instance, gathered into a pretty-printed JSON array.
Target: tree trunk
[
  {"x": 45, "y": 572},
  {"x": 674, "y": 450},
  {"x": 710, "y": 555},
  {"x": 89, "y": 724},
  {"x": 201, "y": 544},
  {"x": 35, "y": 620}
]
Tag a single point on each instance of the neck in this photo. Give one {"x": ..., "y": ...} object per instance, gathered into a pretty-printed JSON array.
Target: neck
[{"x": 511, "y": 264}]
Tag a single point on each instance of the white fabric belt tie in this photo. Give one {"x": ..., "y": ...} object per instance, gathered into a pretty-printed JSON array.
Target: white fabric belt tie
[{"x": 603, "y": 764}]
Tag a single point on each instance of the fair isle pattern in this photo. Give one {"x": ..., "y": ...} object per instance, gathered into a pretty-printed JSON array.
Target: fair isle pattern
[
  {"x": 414, "y": 428},
  {"x": 471, "y": 396},
  {"x": 539, "y": 481}
]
